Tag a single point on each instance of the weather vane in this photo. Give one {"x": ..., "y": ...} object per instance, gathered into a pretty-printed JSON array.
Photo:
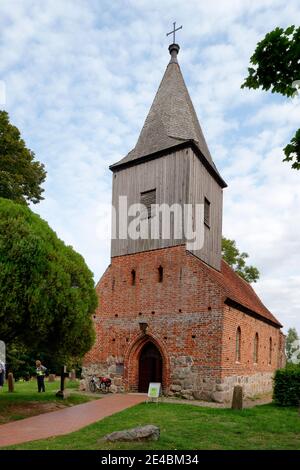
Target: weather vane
[{"x": 174, "y": 31}]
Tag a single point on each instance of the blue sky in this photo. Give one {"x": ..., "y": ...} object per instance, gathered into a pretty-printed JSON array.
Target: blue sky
[{"x": 80, "y": 77}]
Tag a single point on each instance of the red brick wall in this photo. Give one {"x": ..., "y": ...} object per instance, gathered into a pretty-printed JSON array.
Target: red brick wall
[
  {"x": 186, "y": 304},
  {"x": 187, "y": 320},
  {"x": 249, "y": 327}
]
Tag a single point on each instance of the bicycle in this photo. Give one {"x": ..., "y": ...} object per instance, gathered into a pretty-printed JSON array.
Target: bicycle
[{"x": 101, "y": 384}]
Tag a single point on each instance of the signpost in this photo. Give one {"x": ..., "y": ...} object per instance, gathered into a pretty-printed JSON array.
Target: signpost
[{"x": 154, "y": 391}]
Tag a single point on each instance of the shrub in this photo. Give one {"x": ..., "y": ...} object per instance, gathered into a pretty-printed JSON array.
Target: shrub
[{"x": 287, "y": 386}]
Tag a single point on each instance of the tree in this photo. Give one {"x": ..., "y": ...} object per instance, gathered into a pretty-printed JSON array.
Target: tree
[
  {"x": 20, "y": 175},
  {"x": 292, "y": 349},
  {"x": 237, "y": 261},
  {"x": 47, "y": 293},
  {"x": 21, "y": 361},
  {"x": 276, "y": 66}
]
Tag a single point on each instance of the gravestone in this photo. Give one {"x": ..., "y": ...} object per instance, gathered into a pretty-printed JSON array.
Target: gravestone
[
  {"x": 82, "y": 385},
  {"x": 11, "y": 382},
  {"x": 237, "y": 398},
  {"x": 51, "y": 378},
  {"x": 72, "y": 375}
]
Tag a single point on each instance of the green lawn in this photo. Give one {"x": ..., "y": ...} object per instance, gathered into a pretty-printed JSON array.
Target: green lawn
[
  {"x": 25, "y": 401},
  {"x": 190, "y": 427}
]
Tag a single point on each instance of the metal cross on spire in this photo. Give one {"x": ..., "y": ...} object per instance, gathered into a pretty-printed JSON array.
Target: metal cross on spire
[{"x": 174, "y": 31}]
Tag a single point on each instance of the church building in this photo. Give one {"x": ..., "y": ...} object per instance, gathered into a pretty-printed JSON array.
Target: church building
[{"x": 170, "y": 312}]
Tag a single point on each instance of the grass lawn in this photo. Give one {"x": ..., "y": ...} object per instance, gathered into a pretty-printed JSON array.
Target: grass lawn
[
  {"x": 190, "y": 427},
  {"x": 26, "y": 401}
]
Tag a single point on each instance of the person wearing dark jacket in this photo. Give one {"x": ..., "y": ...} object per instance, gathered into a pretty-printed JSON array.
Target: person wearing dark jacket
[{"x": 40, "y": 375}]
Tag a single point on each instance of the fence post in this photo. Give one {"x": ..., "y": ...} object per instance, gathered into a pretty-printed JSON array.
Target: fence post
[{"x": 11, "y": 382}]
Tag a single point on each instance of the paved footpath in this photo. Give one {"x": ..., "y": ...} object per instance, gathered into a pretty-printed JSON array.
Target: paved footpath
[{"x": 66, "y": 420}]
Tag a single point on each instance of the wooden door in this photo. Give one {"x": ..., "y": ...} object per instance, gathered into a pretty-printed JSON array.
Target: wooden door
[{"x": 150, "y": 366}]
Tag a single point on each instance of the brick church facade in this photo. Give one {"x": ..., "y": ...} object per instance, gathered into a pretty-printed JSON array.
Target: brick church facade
[{"x": 169, "y": 312}]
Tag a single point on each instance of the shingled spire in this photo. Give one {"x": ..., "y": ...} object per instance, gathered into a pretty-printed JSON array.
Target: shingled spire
[{"x": 172, "y": 119}]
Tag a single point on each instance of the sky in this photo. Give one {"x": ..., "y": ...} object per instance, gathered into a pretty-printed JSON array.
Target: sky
[{"x": 79, "y": 78}]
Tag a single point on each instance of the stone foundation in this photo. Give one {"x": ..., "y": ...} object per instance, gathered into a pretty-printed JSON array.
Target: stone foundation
[
  {"x": 260, "y": 383},
  {"x": 189, "y": 381},
  {"x": 108, "y": 369},
  {"x": 192, "y": 382}
]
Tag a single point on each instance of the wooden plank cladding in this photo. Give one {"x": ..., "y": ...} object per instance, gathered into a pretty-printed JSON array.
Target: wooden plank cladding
[{"x": 177, "y": 177}]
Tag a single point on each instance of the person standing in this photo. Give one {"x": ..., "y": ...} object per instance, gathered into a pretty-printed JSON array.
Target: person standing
[
  {"x": 40, "y": 375},
  {"x": 2, "y": 374}
]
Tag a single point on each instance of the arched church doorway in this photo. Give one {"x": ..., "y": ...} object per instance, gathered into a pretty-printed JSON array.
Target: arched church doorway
[{"x": 150, "y": 366}]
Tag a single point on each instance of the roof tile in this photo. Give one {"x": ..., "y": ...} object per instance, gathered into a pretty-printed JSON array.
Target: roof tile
[{"x": 237, "y": 289}]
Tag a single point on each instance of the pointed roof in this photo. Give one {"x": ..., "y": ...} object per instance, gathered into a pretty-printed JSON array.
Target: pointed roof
[{"x": 172, "y": 119}]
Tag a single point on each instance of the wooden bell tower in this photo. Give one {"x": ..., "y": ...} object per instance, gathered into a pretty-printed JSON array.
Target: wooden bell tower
[{"x": 170, "y": 164}]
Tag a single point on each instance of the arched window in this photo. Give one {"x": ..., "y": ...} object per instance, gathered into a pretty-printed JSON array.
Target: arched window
[
  {"x": 255, "y": 349},
  {"x": 133, "y": 277},
  {"x": 238, "y": 345},
  {"x": 160, "y": 274},
  {"x": 270, "y": 351}
]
